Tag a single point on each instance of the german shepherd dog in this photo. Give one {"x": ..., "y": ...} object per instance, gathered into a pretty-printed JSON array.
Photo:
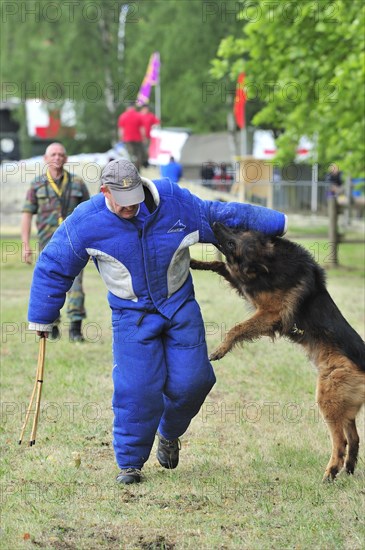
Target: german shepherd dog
[{"x": 288, "y": 290}]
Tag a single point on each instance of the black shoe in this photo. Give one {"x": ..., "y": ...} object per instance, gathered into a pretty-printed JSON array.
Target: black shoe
[
  {"x": 130, "y": 475},
  {"x": 75, "y": 334},
  {"x": 55, "y": 334},
  {"x": 168, "y": 452}
]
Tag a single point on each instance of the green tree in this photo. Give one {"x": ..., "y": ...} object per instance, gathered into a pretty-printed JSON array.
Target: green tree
[
  {"x": 60, "y": 50},
  {"x": 187, "y": 34},
  {"x": 305, "y": 63},
  {"x": 64, "y": 50}
]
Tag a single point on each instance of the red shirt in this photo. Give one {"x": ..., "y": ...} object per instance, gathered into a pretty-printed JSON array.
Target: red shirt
[
  {"x": 131, "y": 122},
  {"x": 148, "y": 120}
]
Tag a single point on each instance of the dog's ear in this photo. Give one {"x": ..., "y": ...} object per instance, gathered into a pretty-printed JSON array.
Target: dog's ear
[{"x": 267, "y": 242}]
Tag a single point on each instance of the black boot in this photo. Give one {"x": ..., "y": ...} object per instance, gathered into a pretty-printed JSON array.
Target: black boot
[
  {"x": 55, "y": 334},
  {"x": 168, "y": 452},
  {"x": 130, "y": 475},
  {"x": 75, "y": 332}
]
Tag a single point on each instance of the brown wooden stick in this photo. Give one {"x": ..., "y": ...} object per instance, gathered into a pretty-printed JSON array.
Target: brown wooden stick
[
  {"x": 29, "y": 408},
  {"x": 40, "y": 372},
  {"x": 37, "y": 385}
]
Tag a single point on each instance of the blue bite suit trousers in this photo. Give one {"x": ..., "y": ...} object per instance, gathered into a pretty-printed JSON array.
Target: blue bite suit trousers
[{"x": 161, "y": 378}]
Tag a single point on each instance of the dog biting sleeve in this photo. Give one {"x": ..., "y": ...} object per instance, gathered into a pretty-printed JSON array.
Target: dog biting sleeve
[{"x": 246, "y": 216}]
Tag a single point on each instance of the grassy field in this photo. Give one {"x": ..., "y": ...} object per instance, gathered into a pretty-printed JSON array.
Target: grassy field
[{"x": 251, "y": 462}]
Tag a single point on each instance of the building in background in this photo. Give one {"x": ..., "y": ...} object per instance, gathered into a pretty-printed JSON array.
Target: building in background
[{"x": 9, "y": 131}]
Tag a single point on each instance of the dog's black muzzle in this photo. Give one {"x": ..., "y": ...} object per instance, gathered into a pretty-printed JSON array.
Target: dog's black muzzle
[
  {"x": 221, "y": 233},
  {"x": 220, "y": 230}
]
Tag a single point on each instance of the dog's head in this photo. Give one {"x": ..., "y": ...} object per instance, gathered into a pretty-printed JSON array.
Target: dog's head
[{"x": 246, "y": 252}]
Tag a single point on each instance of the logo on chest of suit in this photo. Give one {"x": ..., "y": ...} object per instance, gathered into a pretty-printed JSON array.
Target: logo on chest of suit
[{"x": 177, "y": 227}]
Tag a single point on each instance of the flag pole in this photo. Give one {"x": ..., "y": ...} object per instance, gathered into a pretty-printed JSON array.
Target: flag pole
[
  {"x": 158, "y": 93},
  {"x": 243, "y": 142},
  {"x": 158, "y": 100}
]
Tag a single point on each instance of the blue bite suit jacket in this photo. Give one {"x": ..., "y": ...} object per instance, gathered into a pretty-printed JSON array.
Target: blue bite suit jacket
[{"x": 145, "y": 269}]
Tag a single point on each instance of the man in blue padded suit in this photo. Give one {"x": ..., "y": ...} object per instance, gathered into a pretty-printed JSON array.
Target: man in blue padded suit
[{"x": 138, "y": 233}]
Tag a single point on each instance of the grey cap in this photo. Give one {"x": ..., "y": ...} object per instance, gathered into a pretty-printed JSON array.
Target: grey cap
[{"x": 124, "y": 182}]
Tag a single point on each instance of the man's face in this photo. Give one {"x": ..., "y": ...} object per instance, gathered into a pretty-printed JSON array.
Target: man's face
[
  {"x": 124, "y": 212},
  {"x": 55, "y": 156}
]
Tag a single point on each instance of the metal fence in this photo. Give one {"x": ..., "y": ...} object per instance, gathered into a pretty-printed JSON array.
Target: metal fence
[
  {"x": 300, "y": 196},
  {"x": 288, "y": 196}
]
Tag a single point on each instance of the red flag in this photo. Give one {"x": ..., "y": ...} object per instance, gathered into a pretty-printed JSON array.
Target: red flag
[{"x": 240, "y": 101}]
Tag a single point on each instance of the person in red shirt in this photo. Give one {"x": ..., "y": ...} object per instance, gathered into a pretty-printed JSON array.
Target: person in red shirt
[
  {"x": 132, "y": 134},
  {"x": 149, "y": 119}
]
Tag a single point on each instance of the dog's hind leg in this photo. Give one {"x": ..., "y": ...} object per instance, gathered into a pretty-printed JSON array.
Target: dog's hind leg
[
  {"x": 340, "y": 395},
  {"x": 355, "y": 397},
  {"x": 333, "y": 414},
  {"x": 353, "y": 445},
  {"x": 339, "y": 442}
]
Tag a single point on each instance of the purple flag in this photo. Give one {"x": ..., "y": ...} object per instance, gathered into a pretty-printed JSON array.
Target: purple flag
[{"x": 151, "y": 79}]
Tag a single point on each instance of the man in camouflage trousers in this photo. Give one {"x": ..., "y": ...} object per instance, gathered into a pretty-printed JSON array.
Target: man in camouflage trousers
[{"x": 53, "y": 196}]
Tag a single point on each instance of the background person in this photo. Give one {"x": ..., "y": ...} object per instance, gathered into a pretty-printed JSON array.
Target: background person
[
  {"x": 207, "y": 173},
  {"x": 149, "y": 120},
  {"x": 132, "y": 134},
  {"x": 139, "y": 233},
  {"x": 52, "y": 197},
  {"x": 173, "y": 170},
  {"x": 222, "y": 180},
  {"x": 335, "y": 180}
]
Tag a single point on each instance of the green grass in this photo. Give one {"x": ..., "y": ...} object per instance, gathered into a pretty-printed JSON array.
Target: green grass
[{"x": 251, "y": 462}]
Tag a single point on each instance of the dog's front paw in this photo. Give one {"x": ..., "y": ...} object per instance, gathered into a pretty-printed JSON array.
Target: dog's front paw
[{"x": 217, "y": 354}]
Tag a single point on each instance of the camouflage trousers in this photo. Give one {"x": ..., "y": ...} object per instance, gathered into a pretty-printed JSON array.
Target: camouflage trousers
[{"x": 75, "y": 301}]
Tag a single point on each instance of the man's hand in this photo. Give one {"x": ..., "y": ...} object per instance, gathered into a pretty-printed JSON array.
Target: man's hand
[
  {"x": 27, "y": 254},
  {"x": 26, "y": 224},
  {"x": 42, "y": 334}
]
